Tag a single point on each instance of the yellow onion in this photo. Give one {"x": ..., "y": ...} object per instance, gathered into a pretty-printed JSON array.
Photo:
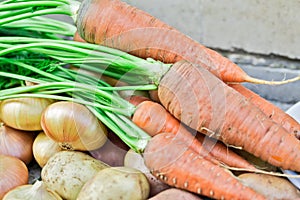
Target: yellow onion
[
  {"x": 24, "y": 113},
  {"x": 13, "y": 173},
  {"x": 43, "y": 148},
  {"x": 16, "y": 143},
  {"x": 73, "y": 126},
  {"x": 30, "y": 192}
]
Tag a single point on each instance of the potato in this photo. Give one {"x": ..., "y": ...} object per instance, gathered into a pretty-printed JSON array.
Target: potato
[
  {"x": 67, "y": 171},
  {"x": 135, "y": 160},
  {"x": 112, "y": 152},
  {"x": 175, "y": 194},
  {"x": 274, "y": 188},
  {"x": 116, "y": 183}
]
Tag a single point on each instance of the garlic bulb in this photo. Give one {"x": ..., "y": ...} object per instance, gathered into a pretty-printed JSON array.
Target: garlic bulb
[
  {"x": 13, "y": 173},
  {"x": 43, "y": 148},
  {"x": 23, "y": 113},
  {"x": 73, "y": 126},
  {"x": 30, "y": 192},
  {"x": 67, "y": 171},
  {"x": 16, "y": 143}
]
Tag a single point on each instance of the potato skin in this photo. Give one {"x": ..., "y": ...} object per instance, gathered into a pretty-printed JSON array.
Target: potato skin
[
  {"x": 135, "y": 160},
  {"x": 275, "y": 188},
  {"x": 67, "y": 171},
  {"x": 175, "y": 194},
  {"x": 117, "y": 183}
]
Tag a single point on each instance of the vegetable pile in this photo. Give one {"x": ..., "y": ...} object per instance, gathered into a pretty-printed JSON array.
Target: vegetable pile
[{"x": 112, "y": 107}]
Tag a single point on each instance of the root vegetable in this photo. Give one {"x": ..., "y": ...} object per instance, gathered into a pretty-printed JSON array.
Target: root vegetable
[
  {"x": 136, "y": 161},
  {"x": 118, "y": 183},
  {"x": 154, "y": 119},
  {"x": 175, "y": 194},
  {"x": 174, "y": 163},
  {"x": 132, "y": 30},
  {"x": 67, "y": 171},
  {"x": 275, "y": 188}
]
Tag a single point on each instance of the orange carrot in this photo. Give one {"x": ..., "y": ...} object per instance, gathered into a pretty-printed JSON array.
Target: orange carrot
[
  {"x": 154, "y": 119},
  {"x": 197, "y": 98},
  {"x": 274, "y": 112},
  {"x": 77, "y": 37},
  {"x": 174, "y": 163},
  {"x": 116, "y": 24}
]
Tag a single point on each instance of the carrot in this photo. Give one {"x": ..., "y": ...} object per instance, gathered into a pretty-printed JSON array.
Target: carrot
[
  {"x": 154, "y": 119},
  {"x": 274, "y": 112},
  {"x": 203, "y": 102},
  {"x": 174, "y": 163},
  {"x": 77, "y": 37},
  {"x": 116, "y": 24}
]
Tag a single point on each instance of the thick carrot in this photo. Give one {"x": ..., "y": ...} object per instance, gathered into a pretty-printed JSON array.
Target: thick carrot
[
  {"x": 274, "y": 112},
  {"x": 155, "y": 119},
  {"x": 174, "y": 163},
  {"x": 116, "y": 24},
  {"x": 77, "y": 37},
  {"x": 203, "y": 102},
  {"x": 268, "y": 108}
]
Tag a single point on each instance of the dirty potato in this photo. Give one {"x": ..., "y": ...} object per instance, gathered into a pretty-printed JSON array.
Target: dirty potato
[
  {"x": 275, "y": 188},
  {"x": 135, "y": 160},
  {"x": 67, "y": 171},
  {"x": 118, "y": 183},
  {"x": 175, "y": 194}
]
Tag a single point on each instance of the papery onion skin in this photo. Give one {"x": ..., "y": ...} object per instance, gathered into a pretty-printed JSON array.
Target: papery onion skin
[
  {"x": 31, "y": 192},
  {"x": 13, "y": 173},
  {"x": 67, "y": 171},
  {"x": 43, "y": 148},
  {"x": 24, "y": 113},
  {"x": 16, "y": 143},
  {"x": 73, "y": 126}
]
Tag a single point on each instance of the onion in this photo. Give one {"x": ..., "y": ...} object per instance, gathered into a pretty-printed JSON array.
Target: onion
[
  {"x": 67, "y": 171},
  {"x": 73, "y": 126},
  {"x": 16, "y": 143},
  {"x": 13, "y": 173},
  {"x": 43, "y": 148},
  {"x": 23, "y": 113},
  {"x": 29, "y": 192}
]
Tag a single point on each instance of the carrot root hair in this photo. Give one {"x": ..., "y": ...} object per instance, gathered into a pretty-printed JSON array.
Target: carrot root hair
[{"x": 250, "y": 79}]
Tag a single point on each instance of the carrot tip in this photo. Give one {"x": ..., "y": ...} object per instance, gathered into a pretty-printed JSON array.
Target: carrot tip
[{"x": 260, "y": 81}]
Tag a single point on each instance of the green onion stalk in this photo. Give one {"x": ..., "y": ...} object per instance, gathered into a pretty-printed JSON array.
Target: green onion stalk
[
  {"x": 33, "y": 18},
  {"x": 96, "y": 58},
  {"x": 55, "y": 81},
  {"x": 33, "y": 52}
]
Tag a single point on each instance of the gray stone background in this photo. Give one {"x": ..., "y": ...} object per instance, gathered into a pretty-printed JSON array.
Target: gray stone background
[{"x": 262, "y": 37}]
